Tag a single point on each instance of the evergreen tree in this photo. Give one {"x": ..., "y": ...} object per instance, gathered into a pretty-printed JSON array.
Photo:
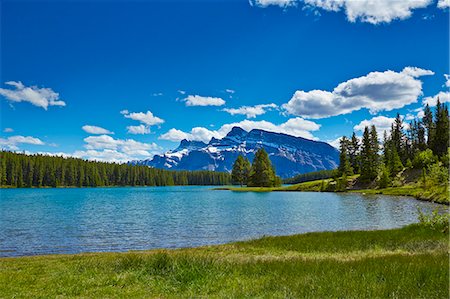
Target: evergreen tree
[
  {"x": 240, "y": 171},
  {"x": 344, "y": 164},
  {"x": 441, "y": 134},
  {"x": 353, "y": 153},
  {"x": 262, "y": 173},
  {"x": 369, "y": 156}
]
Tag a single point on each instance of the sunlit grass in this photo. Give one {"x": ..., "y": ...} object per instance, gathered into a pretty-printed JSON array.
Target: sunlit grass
[{"x": 404, "y": 263}]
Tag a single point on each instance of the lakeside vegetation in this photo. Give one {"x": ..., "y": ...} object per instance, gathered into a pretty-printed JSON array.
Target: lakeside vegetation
[
  {"x": 412, "y": 162},
  {"x": 21, "y": 170},
  {"x": 411, "y": 262}
]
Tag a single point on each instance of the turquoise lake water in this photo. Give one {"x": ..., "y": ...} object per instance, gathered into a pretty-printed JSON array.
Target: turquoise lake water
[{"x": 44, "y": 221}]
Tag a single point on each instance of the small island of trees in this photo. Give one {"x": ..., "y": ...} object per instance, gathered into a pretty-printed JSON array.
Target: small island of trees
[{"x": 260, "y": 173}]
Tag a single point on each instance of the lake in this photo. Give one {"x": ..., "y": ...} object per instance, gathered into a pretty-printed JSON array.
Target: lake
[{"x": 44, "y": 221}]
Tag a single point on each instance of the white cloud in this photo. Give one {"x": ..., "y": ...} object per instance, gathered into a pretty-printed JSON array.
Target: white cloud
[
  {"x": 40, "y": 97},
  {"x": 196, "y": 100},
  {"x": 182, "y": 91},
  {"x": 416, "y": 72},
  {"x": 444, "y": 97},
  {"x": 141, "y": 129},
  {"x": 8, "y": 130},
  {"x": 230, "y": 90},
  {"x": 95, "y": 130},
  {"x": 442, "y": 4},
  {"x": 146, "y": 118},
  {"x": 335, "y": 143},
  {"x": 295, "y": 126},
  {"x": 250, "y": 111},
  {"x": 447, "y": 80},
  {"x": 382, "y": 123},
  {"x": 107, "y": 148},
  {"x": 13, "y": 142},
  {"x": 377, "y": 91},
  {"x": 265, "y": 3},
  {"x": 157, "y": 94},
  {"x": 370, "y": 11}
]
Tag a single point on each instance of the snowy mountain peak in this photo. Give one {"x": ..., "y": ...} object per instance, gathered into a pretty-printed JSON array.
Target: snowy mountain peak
[{"x": 290, "y": 155}]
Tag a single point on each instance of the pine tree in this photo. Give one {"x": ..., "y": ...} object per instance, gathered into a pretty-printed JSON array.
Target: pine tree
[
  {"x": 368, "y": 156},
  {"x": 344, "y": 163},
  {"x": 240, "y": 171},
  {"x": 353, "y": 153},
  {"x": 262, "y": 173},
  {"x": 441, "y": 134}
]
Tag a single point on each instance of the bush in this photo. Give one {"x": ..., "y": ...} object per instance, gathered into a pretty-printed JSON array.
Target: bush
[
  {"x": 438, "y": 174},
  {"x": 434, "y": 221},
  {"x": 424, "y": 158},
  {"x": 384, "y": 179}
]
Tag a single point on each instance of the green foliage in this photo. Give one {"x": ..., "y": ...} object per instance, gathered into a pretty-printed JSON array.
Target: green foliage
[
  {"x": 345, "y": 167},
  {"x": 435, "y": 220},
  {"x": 384, "y": 177},
  {"x": 438, "y": 174},
  {"x": 369, "y": 155},
  {"x": 311, "y": 176},
  {"x": 441, "y": 134},
  {"x": 262, "y": 174},
  {"x": 424, "y": 158},
  {"x": 20, "y": 170},
  {"x": 240, "y": 171}
]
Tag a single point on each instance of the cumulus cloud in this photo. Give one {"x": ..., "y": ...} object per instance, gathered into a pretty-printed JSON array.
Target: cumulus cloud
[
  {"x": 443, "y": 4},
  {"x": 251, "y": 111},
  {"x": 295, "y": 126},
  {"x": 369, "y": 11},
  {"x": 265, "y": 3},
  {"x": 146, "y": 118},
  {"x": 95, "y": 130},
  {"x": 107, "y": 148},
  {"x": 40, "y": 97},
  {"x": 447, "y": 80},
  {"x": 377, "y": 91},
  {"x": 13, "y": 142},
  {"x": 382, "y": 123},
  {"x": 443, "y": 96},
  {"x": 8, "y": 130},
  {"x": 196, "y": 100},
  {"x": 141, "y": 129}
]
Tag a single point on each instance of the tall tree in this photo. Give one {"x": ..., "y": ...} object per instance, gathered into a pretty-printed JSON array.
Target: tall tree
[
  {"x": 240, "y": 171},
  {"x": 369, "y": 155},
  {"x": 262, "y": 173},
  {"x": 344, "y": 163},
  {"x": 353, "y": 152},
  {"x": 441, "y": 134}
]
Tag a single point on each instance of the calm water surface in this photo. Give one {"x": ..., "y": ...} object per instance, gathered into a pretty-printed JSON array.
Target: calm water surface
[{"x": 43, "y": 221}]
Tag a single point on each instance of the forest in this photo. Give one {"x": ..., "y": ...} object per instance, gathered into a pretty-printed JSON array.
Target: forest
[
  {"x": 421, "y": 146},
  {"x": 21, "y": 170}
]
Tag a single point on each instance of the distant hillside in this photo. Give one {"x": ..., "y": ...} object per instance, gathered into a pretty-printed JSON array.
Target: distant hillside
[{"x": 290, "y": 155}]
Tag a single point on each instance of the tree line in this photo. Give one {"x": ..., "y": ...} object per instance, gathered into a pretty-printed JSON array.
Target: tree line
[
  {"x": 260, "y": 173},
  {"x": 421, "y": 144},
  {"x": 21, "y": 170}
]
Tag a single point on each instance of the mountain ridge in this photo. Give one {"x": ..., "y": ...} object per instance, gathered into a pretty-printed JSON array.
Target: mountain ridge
[{"x": 290, "y": 155}]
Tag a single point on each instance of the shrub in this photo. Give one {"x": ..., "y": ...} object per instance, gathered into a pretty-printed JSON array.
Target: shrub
[
  {"x": 424, "y": 158},
  {"x": 434, "y": 220},
  {"x": 438, "y": 174}
]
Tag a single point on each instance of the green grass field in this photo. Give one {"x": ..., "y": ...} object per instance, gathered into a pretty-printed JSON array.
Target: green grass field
[{"x": 411, "y": 262}]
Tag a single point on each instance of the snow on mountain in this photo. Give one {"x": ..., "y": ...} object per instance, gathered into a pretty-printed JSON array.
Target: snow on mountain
[{"x": 290, "y": 155}]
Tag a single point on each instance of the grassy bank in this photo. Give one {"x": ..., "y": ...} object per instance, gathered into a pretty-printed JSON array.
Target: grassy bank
[
  {"x": 411, "y": 262},
  {"x": 437, "y": 194}
]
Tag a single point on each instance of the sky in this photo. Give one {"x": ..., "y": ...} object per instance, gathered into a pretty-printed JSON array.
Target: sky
[{"x": 124, "y": 80}]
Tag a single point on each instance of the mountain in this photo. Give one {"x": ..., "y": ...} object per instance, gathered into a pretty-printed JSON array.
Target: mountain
[{"x": 290, "y": 155}]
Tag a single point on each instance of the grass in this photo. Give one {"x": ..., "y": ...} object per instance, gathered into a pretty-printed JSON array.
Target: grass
[
  {"x": 411, "y": 262},
  {"x": 438, "y": 194},
  {"x": 434, "y": 194}
]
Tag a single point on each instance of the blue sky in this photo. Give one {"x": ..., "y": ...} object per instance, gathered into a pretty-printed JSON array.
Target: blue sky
[{"x": 154, "y": 72}]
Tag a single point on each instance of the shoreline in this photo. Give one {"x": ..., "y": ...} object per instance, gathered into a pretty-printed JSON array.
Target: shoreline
[
  {"x": 382, "y": 262},
  {"x": 411, "y": 191}
]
